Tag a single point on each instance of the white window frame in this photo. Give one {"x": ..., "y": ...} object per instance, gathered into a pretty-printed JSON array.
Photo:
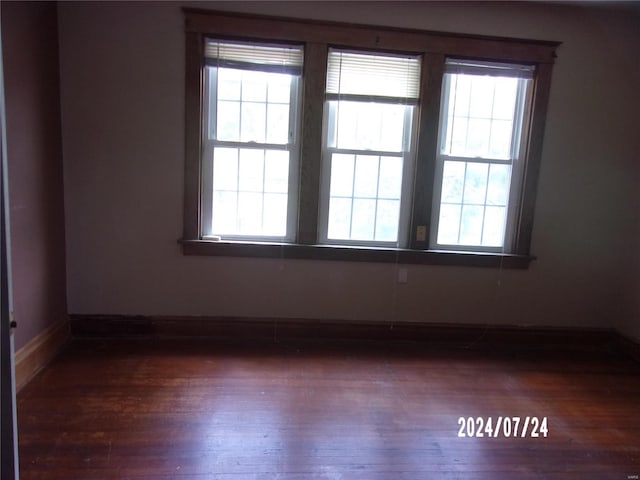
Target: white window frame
[
  {"x": 522, "y": 118},
  {"x": 407, "y": 154},
  {"x": 209, "y": 142}
]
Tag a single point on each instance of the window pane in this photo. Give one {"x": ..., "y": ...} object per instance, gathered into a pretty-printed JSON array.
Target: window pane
[
  {"x": 481, "y": 101},
  {"x": 251, "y": 170},
  {"x": 390, "y": 184},
  {"x": 387, "y": 216},
  {"x": 393, "y": 128},
  {"x": 500, "y": 144},
  {"x": 474, "y": 203},
  {"x": 225, "y": 169},
  {"x": 249, "y": 213},
  {"x": 254, "y": 86},
  {"x": 346, "y": 124},
  {"x": 478, "y": 137},
  {"x": 370, "y": 126},
  {"x": 275, "y": 214},
  {"x": 499, "y": 181},
  {"x": 279, "y": 88},
  {"x": 493, "y": 231},
  {"x": 366, "y": 181},
  {"x": 475, "y": 183},
  {"x": 449, "y": 224},
  {"x": 276, "y": 171},
  {"x": 277, "y": 123},
  {"x": 228, "y": 121},
  {"x": 250, "y": 192},
  {"x": 458, "y": 136},
  {"x": 363, "y": 219},
  {"x": 341, "y": 175},
  {"x": 339, "y": 218},
  {"x": 505, "y": 98},
  {"x": 480, "y": 116},
  {"x": 452, "y": 182},
  {"x": 224, "y": 212},
  {"x": 461, "y": 95},
  {"x": 253, "y": 122},
  {"x": 229, "y": 84},
  {"x": 471, "y": 225}
]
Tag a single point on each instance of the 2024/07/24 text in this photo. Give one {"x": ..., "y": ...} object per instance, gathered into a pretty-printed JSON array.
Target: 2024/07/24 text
[{"x": 506, "y": 427}]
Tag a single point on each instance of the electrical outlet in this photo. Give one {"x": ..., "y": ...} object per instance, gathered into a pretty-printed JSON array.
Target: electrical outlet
[{"x": 421, "y": 233}]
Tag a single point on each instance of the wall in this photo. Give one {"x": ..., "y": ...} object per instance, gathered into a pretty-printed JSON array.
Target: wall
[
  {"x": 122, "y": 74},
  {"x": 34, "y": 151}
]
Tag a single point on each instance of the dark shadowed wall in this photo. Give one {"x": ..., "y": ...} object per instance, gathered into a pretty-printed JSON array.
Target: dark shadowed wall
[{"x": 34, "y": 150}]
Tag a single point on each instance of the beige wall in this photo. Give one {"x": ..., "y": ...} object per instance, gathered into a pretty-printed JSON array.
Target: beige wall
[{"x": 122, "y": 84}]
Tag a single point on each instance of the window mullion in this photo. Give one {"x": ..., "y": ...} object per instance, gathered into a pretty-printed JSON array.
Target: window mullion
[
  {"x": 315, "y": 73},
  {"x": 533, "y": 153},
  {"x": 194, "y": 44},
  {"x": 429, "y": 111}
]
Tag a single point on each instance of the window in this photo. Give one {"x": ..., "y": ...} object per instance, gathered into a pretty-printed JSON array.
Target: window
[
  {"x": 479, "y": 167},
  {"x": 408, "y": 146},
  {"x": 250, "y": 140},
  {"x": 369, "y": 114}
]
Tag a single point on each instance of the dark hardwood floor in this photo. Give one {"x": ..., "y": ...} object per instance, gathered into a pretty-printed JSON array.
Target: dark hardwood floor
[{"x": 163, "y": 409}]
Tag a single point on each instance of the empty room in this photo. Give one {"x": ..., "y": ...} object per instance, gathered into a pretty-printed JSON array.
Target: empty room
[{"x": 320, "y": 240}]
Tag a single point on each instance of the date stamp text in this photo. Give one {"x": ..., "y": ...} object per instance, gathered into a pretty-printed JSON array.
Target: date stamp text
[{"x": 506, "y": 427}]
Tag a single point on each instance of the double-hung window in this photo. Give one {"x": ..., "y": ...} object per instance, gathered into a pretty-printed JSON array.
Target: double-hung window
[
  {"x": 335, "y": 141},
  {"x": 479, "y": 163},
  {"x": 367, "y": 160},
  {"x": 249, "y": 151}
]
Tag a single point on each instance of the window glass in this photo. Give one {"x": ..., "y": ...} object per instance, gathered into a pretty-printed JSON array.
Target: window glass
[
  {"x": 367, "y": 144},
  {"x": 481, "y": 125},
  {"x": 251, "y": 108}
]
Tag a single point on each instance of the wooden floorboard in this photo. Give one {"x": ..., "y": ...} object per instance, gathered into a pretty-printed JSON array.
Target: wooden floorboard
[{"x": 190, "y": 410}]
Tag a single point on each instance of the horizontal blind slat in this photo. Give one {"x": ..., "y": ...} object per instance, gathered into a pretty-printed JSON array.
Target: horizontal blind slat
[
  {"x": 372, "y": 74},
  {"x": 289, "y": 58},
  {"x": 470, "y": 67}
]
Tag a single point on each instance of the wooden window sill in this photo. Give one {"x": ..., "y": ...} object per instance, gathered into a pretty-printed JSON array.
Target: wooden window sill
[{"x": 353, "y": 254}]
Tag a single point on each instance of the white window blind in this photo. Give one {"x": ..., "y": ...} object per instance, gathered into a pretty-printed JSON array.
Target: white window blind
[
  {"x": 271, "y": 58},
  {"x": 363, "y": 74},
  {"x": 492, "y": 69}
]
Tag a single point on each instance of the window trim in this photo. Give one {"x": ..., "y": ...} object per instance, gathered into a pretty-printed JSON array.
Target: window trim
[
  {"x": 317, "y": 37},
  {"x": 353, "y": 254}
]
